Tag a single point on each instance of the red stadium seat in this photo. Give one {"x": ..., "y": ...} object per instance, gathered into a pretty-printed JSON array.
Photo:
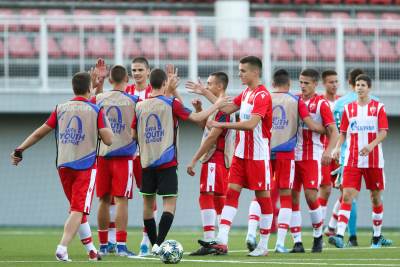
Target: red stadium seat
[
  {"x": 333, "y": 2},
  {"x": 137, "y": 25},
  {"x": 363, "y": 26},
  {"x": 131, "y": 48},
  {"x": 397, "y": 48},
  {"x": 1, "y": 49},
  {"x": 177, "y": 48},
  {"x": 99, "y": 46},
  {"x": 108, "y": 24},
  {"x": 327, "y": 49},
  {"x": 285, "y": 2},
  {"x": 355, "y": 50},
  {"x": 355, "y": 2},
  {"x": 88, "y": 24},
  {"x": 311, "y": 51},
  {"x": 344, "y": 16},
  {"x": 59, "y": 24},
  {"x": 281, "y": 50},
  {"x": 252, "y": 47},
  {"x": 206, "y": 49},
  {"x": 70, "y": 46},
  {"x": 54, "y": 50},
  {"x": 262, "y": 14},
  {"x": 185, "y": 27},
  {"x": 392, "y": 17},
  {"x": 380, "y": 2},
  {"x": 289, "y": 15},
  {"x": 31, "y": 26},
  {"x": 20, "y": 47},
  {"x": 307, "y": 2},
  {"x": 385, "y": 50},
  {"x": 7, "y": 12},
  {"x": 317, "y": 29},
  {"x": 151, "y": 47},
  {"x": 165, "y": 25},
  {"x": 229, "y": 48}
]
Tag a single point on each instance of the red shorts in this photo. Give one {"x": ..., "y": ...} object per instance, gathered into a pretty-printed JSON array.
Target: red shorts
[
  {"x": 374, "y": 178},
  {"x": 214, "y": 178},
  {"x": 114, "y": 177},
  {"x": 251, "y": 174},
  {"x": 283, "y": 173},
  {"x": 327, "y": 178},
  {"x": 308, "y": 174},
  {"x": 78, "y": 186},
  {"x": 137, "y": 171}
]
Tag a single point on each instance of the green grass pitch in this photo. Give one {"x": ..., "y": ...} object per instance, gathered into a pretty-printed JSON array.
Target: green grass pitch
[{"x": 36, "y": 247}]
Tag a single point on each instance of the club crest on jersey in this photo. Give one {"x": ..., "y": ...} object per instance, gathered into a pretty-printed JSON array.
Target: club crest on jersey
[
  {"x": 279, "y": 120},
  {"x": 73, "y": 135},
  {"x": 153, "y": 131},
  {"x": 372, "y": 110},
  {"x": 312, "y": 106},
  {"x": 114, "y": 115}
]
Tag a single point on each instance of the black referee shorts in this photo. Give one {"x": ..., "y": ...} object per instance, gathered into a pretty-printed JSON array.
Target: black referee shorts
[{"x": 163, "y": 182}]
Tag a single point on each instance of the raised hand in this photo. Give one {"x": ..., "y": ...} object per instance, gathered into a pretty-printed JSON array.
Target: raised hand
[
  {"x": 196, "y": 88},
  {"x": 101, "y": 68},
  {"x": 223, "y": 101},
  {"x": 196, "y": 103}
]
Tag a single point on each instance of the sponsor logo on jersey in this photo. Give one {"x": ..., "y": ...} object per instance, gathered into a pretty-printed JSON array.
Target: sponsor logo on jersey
[
  {"x": 354, "y": 127},
  {"x": 73, "y": 134},
  {"x": 153, "y": 131},
  {"x": 114, "y": 115},
  {"x": 279, "y": 120}
]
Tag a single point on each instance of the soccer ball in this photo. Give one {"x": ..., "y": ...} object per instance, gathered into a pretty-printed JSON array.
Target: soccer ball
[{"x": 171, "y": 252}]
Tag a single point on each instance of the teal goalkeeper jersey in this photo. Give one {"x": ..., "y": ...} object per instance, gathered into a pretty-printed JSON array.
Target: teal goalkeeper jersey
[{"x": 338, "y": 110}]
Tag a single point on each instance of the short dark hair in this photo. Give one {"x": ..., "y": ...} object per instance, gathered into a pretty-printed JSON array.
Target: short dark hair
[
  {"x": 252, "y": 61},
  {"x": 222, "y": 77},
  {"x": 312, "y": 73},
  {"x": 366, "y": 78},
  {"x": 281, "y": 77},
  {"x": 353, "y": 74},
  {"x": 157, "y": 78},
  {"x": 118, "y": 73},
  {"x": 327, "y": 73},
  {"x": 141, "y": 60},
  {"x": 81, "y": 83}
]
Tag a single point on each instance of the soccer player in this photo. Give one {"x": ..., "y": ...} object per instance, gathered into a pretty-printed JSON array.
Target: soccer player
[
  {"x": 115, "y": 164},
  {"x": 79, "y": 124},
  {"x": 330, "y": 83},
  {"x": 156, "y": 127},
  {"x": 251, "y": 162},
  {"x": 287, "y": 110},
  {"x": 363, "y": 127},
  {"x": 309, "y": 154},
  {"x": 215, "y": 155}
]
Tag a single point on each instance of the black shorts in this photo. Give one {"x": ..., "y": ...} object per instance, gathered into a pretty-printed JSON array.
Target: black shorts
[{"x": 163, "y": 182}]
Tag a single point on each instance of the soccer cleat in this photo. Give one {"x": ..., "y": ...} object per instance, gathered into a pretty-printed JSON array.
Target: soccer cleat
[
  {"x": 144, "y": 250},
  {"x": 60, "y": 256},
  {"x": 258, "y": 252},
  {"x": 123, "y": 251},
  {"x": 251, "y": 242},
  {"x": 380, "y": 241},
  {"x": 103, "y": 250},
  {"x": 111, "y": 247},
  {"x": 220, "y": 249},
  {"x": 337, "y": 241},
  {"x": 352, "y": 241},
  {"x": 386, "y": 242},
  {"x": 329, "y": 232},
  {"x": 317, "y": 245},
  {"x": 155, "y": 250},
  {"x": 298, "y": 248},
  {"x": 202, "y": 251},
  {"x": 281, "y": 249},
  {"x": 94, "y": 256}
]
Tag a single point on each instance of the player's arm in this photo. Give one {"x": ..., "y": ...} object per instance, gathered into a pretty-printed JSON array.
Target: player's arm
[
  {"x": 204, "y": 147},
  {"x": 37, "y": 135},
  {"x": 314, "y": 126},
  {"x": 336, "y": 151},
  {"x": 196, "y": 103},
  {"x": 106, "y": 135},
  {"x": 333, "y": 135},
  {"x": 204, "y": 114},
  {"x": 241, "y": 125}
]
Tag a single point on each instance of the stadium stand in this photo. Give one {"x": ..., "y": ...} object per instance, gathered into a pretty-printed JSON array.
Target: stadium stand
[{"x": 206, "y": 49}]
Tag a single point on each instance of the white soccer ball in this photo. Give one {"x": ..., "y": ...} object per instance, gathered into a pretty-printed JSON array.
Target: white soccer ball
[{"x": 171, "y": 252}]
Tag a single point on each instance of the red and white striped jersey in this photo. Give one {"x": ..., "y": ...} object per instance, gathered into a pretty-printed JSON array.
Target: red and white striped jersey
[
  {"x": 310, "y": 144},
  {"x": 144, "y": 94},
  {"x": 254, "y": 144},
  {"x": 361, "y": 125}
]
